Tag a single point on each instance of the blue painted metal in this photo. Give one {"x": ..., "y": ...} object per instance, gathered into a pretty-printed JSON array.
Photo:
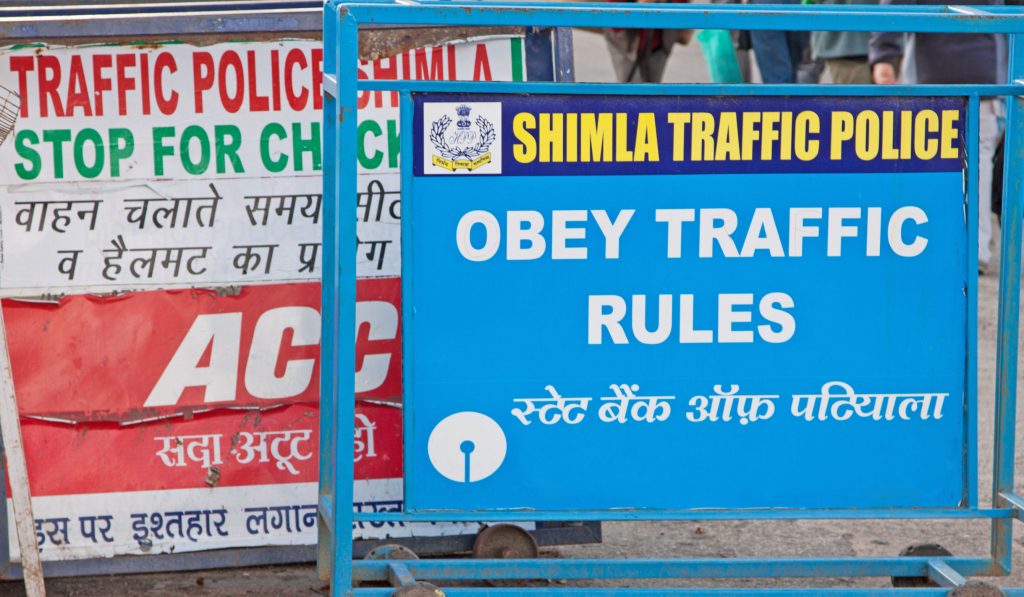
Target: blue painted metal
[
  {"x": 1009, "y": 310},
  {"x": 1007, "y": 506},
  {"x": 924, "y": 19},
  {"x": 686, "y": 89},
  {"x": 564, "y": 592},
  {"x": 575, "y": 569},
  {"x": 942, "y": 574},
  {"x": 629, "y": 514},
  {"x": 971, "y": 381},
  {"x": 329, "y": 338}
]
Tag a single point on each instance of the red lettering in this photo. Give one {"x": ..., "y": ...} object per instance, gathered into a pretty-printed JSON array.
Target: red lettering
[
  {"x": 144, "y": 71},
  {"x": 100, "y": 81},
  {"x": 231, "y": 103},
  {"x": 78, "y": 93},
  {"x": 318, "y": 76},
  {"x": 21, "y": 65},
  {"x": 435, "y": 70},
  {"x": 451, "y": 63},
  {"x": 275, "y": 91},
  {"x": 297, "y": 102},
  {"x": 167, "y": 104},
  {"x": 124, "y": 83},
  {"x": 257, "y": 103},
  {"x": 49, "y": 79},
  {"x": 202, "y": 73},
  {"x": 481, "y": 65}
]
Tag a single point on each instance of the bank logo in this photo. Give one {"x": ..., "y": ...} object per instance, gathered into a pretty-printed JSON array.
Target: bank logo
[
  {"x": 462, "y": 138},
  {"x": 467, "y": 447}
]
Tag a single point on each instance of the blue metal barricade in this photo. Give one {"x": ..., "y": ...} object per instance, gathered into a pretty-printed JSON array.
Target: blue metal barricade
[{"x": 661, "y": 299}]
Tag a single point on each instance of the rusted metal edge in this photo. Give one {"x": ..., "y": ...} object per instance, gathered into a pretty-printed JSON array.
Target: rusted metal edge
[
  {"x": 375, "y": 44},
  {"x": 204, "y": 29}
]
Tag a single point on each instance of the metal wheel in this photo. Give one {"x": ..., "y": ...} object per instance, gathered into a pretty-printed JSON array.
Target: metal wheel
[
  {"x": 418, "y": 589},
  {"x": 391, "y": 551},
  {"x": 387, "y": 551},
  {"x": 504, "y": 542},
  {"x": 919, "y": 550}
]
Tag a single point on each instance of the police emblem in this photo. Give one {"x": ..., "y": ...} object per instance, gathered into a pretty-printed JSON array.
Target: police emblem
[{"x": 467, "y": 146}]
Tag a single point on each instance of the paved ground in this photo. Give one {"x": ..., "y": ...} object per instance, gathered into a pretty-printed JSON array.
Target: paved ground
[{"x": 664, "y": 539}]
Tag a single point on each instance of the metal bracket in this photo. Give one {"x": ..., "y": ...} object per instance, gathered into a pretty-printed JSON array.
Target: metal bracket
[
  {"x": 943, "y": 575},
  {"x": 330, "y": 85},
  {"x": 399, "y": 574}
]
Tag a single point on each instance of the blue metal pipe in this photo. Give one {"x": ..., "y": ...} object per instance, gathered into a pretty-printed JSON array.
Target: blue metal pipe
[
  {"x": 443, "y": 570},
  {"x": 688, "y": 89},
  {"x": 683, "y": 16},
  {"x": 1009, "y": 310},
  {"x": 582, "y": 515}
]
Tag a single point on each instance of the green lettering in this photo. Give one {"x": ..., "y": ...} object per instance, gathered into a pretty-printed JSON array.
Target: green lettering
[
  {"x": 272, "y": 130},
  {"x": 119, "y": 151},
  {"x": 23, "y": 145},
  {"x": 161, "y": 151},
  {"x": 310, "y": 146},
  {"x": 89, "y": 136},
  {"x": 228, "y": 139},
  {"x": 195, "y": 132},
  {"x": 57, "y": 138},
  {"x": 394, "y": 148},
  {"x": 368, "y": 127}
]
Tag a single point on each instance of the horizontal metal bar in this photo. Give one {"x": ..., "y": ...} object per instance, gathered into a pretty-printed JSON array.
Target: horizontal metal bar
[
  {"x": 969, "y": 10},
  {"x": 459, "y": 569},
  {"x": 684, "y": 16},
  {"x": 151, "y": 7},
  {"x": 579, "y": 515},
  {"x": 943, "y": 575},
  {"x": 702, "y": 89},
  {"x": 129, "y": 26},
  {"x": 1014, "y": 502},
  {"x": 671, "y": 592}
]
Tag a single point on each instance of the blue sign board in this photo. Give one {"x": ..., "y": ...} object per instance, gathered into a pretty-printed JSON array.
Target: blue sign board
[{"x": 686, "y": 303}]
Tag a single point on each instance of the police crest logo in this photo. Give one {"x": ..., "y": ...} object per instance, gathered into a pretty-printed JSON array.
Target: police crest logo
[{"x": 462, "y": 138}]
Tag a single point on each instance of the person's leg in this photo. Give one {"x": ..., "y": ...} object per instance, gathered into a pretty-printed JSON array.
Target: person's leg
[
  {"x": 806, "y": 70},
  {"x": 652, "y": 67},
  {"x": 845, "y": 71},
  {"x": 988, "y": 136},
  {"x": 622, "y": 61},
  {"x": 771, "y": 51}
]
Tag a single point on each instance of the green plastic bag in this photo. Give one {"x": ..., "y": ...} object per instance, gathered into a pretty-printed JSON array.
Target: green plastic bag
[{"x": 719, "y": 53}]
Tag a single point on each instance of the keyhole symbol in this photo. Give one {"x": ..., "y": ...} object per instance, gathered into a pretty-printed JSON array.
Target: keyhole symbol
[{"x": 467, "y": 448}]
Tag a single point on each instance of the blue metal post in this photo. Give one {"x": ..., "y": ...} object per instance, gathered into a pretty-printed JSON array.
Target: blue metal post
[
  {"x": 1009, "y": 309},
  {"x": 970, "y": 453},
  {"x": 344, "y": 330},
  {"x": 328, "y": 443}
]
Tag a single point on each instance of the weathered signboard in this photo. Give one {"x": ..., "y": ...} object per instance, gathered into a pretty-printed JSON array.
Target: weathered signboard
[
  {"x": 687, "y": 303},
  {"x": 179, "y": 419}
]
